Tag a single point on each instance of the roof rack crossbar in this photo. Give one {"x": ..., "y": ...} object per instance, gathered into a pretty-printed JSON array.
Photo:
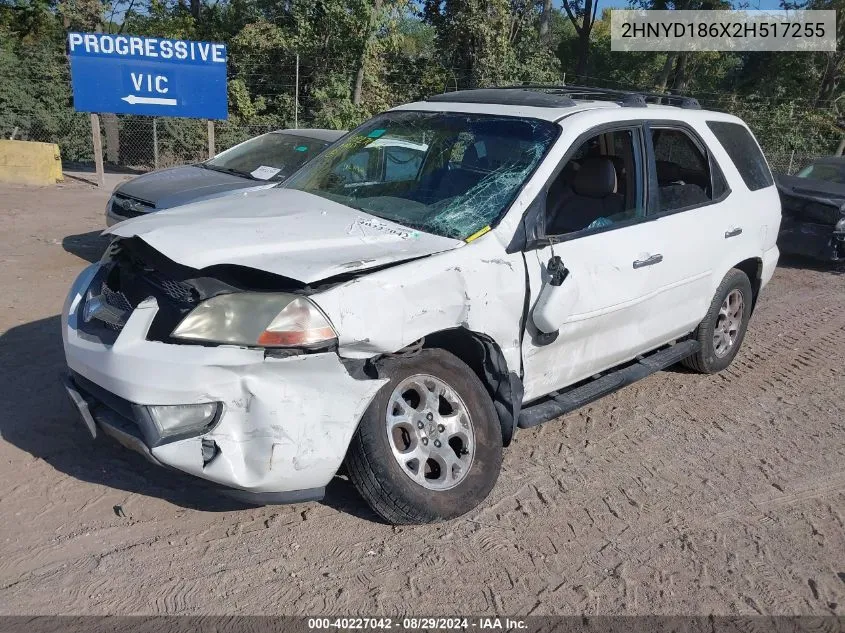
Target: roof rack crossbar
[{"x": 629, "y": 98}]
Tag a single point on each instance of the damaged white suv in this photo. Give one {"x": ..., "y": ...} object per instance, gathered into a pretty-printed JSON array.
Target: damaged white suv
[{"x": 448, "y": 272}]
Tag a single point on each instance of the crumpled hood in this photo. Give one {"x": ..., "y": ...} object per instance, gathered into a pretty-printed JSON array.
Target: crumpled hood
[
  {"x": 179, "y": 185},
  {"x": 817, "y": 188},
  {"x": 282, "y": 231},
  {"x": 812, "y": 201}
]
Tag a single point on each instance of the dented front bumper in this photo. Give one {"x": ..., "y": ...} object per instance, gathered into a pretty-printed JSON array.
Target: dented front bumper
[{"x": 284, "y": 426}]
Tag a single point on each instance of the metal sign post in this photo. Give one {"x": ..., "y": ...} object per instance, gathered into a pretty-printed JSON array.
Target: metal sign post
[
  {"x": 97, "y": 140},
  {"x": 211, "y": 151},
  {"x": 126, "y": 74},
  {"x": 155, "y": 143}
]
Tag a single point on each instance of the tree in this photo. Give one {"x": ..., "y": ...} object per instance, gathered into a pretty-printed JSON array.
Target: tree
[
  {"x": 81, "y": 15},
  {"x": 375, "y": 13},
  {"x": 545, "y": 30},
  {"x": 360, "y": 57},
  {"x": 677, "y": 64},
  {"x": 582, "y": 15},
  {"x": 833, "y": 62},
  {"x": 489, "y": 42}
]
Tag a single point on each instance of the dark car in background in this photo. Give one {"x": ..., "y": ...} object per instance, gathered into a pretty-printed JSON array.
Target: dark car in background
[
  {"x": 813, "y": 203},
  {"x": 259, "y": 163}
]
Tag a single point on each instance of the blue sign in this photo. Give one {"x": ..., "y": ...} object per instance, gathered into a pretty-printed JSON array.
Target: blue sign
[{"x": 127, "y": 74}]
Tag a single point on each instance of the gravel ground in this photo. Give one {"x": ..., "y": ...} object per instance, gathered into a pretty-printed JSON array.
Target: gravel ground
[{"x": 681, "y": 494}]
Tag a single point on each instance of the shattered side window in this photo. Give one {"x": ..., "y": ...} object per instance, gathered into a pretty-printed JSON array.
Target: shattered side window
[{"x": 446, "y": 173}]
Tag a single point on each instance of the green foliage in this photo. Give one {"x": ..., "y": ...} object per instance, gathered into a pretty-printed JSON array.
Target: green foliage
[
  {"x": 490, "y": 42},
  {"x": 162, "y": 19},
  {"x": 35, "y": 95},
  {"x": 402, "y": 50},
  {"x": 784, "y": 127}
]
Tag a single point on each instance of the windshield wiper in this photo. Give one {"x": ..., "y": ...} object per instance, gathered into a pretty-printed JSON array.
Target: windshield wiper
[{"x": 229, "y": 170}]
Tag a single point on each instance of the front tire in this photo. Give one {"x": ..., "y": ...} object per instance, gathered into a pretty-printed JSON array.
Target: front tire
[
  {"x": 723, "y": 329},
  {"x": 429, "y": 446}
]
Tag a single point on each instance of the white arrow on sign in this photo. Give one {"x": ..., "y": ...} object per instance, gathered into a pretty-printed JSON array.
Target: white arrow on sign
[{"x": 151, "y": 100}]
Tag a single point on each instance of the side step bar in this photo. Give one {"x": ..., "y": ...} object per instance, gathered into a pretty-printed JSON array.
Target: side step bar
[{"x": 573, "y": 398}]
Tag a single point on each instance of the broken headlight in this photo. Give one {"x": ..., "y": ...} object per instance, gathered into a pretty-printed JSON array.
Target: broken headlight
[{"x": 257, "y": 320}]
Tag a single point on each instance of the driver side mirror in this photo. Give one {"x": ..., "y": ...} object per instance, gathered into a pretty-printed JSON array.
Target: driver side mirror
[{"x": 556, "y": 301}]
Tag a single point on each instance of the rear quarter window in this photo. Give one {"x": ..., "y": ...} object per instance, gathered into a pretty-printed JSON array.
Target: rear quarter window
[{"x": 744, "y": 152}]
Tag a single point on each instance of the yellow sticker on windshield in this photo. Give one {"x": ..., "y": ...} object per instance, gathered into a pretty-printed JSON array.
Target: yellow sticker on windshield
[{"x": 478, "y": 234}]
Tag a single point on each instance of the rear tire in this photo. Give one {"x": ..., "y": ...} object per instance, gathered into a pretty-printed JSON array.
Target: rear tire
[
  {"x": 723, "y": 329},
  {"x": 429, "y": 446}
]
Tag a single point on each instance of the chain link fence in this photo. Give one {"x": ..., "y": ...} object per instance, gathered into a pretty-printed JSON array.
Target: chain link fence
[
  {"x": 138, "y": 143},
  {"x": 143, "y": 143},
  {"x": 791, "y": 163}
]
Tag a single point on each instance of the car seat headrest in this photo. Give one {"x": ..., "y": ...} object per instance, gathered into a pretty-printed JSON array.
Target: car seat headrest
[{"x": 596, "y": 178}]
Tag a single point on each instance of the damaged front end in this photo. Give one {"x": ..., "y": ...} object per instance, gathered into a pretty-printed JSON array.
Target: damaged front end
[
  {"x": 813, "y": 225},
  {"x": 254, "y": 418}
]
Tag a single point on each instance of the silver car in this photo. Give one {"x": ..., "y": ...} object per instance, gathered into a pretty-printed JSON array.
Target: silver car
[{"x": 259, "y": 163}]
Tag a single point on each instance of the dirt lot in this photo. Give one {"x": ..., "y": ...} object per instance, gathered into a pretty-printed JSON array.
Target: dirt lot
[{"x": 681, "y": 494}]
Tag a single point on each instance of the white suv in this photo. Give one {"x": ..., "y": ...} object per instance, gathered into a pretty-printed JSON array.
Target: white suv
[{"x": 515, "y": 254}]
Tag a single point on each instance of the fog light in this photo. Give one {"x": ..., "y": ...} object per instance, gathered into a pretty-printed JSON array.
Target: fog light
[{"x": 183, "y": 418}]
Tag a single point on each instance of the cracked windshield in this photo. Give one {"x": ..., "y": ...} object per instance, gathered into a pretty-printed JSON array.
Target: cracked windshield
[
  {"x": 444, "y": 173},
  {"x": 272, "y": 156}
]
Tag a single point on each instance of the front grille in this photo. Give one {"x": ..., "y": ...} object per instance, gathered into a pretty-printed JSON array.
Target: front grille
[
  {"x": 115, "y": 299},
  {"x": 128, "y": 207},
  {"x": 176, "y": 290},
  {"x": 138, "y": 272}
]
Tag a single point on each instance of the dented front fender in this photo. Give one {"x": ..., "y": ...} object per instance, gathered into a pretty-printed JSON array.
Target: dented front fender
[{"x": 477, "y": 287}]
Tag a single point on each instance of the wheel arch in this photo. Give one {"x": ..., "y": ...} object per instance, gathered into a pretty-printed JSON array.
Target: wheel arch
[
  {"x": 753, "y": 269},
  {"x": 484, "y": 356}
]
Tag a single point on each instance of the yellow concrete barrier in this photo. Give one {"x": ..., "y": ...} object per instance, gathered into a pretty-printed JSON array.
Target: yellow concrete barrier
[{"x": 30, "y": 163}]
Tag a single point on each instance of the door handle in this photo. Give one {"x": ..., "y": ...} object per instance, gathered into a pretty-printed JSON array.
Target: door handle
[
  {"x": 733, "y": 232},
  {"x": 649, "y": 261}
]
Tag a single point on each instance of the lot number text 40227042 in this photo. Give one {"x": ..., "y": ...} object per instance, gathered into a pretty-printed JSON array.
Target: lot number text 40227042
[{"x": 411, "y": 623}]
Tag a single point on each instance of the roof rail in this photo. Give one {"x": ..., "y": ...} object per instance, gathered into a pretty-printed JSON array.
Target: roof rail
[
  {"x": 625, "y": 98},
  {"x": 514, "y": 96}
]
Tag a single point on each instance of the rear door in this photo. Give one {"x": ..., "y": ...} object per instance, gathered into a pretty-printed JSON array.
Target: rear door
[
  {"x": 693, "y": 219},
  {"x": 755, "y": 213}
]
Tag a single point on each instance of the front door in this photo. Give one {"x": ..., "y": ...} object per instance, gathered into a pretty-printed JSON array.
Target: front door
[{"x": 596, "y": 224}]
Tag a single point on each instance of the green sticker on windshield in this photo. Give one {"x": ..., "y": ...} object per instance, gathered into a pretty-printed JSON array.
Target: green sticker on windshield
[
  {"x": 301, "y": 148},
  {"x": 376, "y": 133}
]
